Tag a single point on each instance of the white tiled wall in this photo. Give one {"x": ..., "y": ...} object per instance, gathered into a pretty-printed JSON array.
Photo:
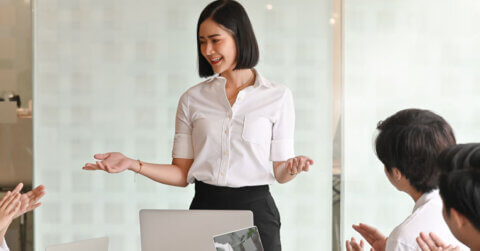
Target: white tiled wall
[
  {"x": 108, "y": 75},
  {"x": 403, "y": 54}
]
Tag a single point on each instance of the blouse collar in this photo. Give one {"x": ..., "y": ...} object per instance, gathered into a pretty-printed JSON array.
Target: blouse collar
[{"x": 259, "y": 79}]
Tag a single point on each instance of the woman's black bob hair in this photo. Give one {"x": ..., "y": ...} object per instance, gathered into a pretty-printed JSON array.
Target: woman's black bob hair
[{"x": 231, "y": 15}]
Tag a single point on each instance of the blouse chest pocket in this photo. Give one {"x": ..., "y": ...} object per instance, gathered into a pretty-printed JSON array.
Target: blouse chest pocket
[{"x": 257, "y": 130}]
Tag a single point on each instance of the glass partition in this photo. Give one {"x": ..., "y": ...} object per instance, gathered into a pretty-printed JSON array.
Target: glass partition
[{"x": 402, "y": 54}]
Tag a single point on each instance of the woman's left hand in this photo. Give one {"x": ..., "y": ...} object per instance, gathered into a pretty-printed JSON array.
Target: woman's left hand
[{"x": 298, "y": 164}]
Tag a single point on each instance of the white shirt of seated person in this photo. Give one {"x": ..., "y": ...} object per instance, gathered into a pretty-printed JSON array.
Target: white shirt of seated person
[
  {"x": 234, "y": 146},
  {"x": 426, "y": 217},
  {"x": 4, "y": 246}
]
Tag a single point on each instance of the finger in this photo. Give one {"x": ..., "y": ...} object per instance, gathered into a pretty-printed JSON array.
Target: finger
[
  {"x": 38, "y": 189},
  {"x": 24, "y": 202},
  {"x": 310, "y": 161},
  {"x": 306, "y": 166},
  {"x": 436, "y": 239},
  {"x": 32, "y": 207},
  {"x": 88, "y": 168},
  {"x": 11, "y": 198},
  {"x": 18, "y": 188},
  {"x": 100, "y": 165},
  {"x": 364, "y": 234},
  {"x": 33, "y": 197},
  {"x": 289, "y": 166},
  {"x": 372, "y": 231},
  {"x": 293, "y": 168},
  {"x": 426, "y": 238},
  {"x": 300, "y": 165},
  {"x": 101, "y": 156},
  {"x": 355, "y": 245},
  {"x": 37, "y": 193},
  {"x": 348, "y": 246},
  {"x": 16, "y": 208},
  {"x": 367, "y": 236},
  {"x": 362, "y": 243},
  {"x": 5, "y": 198},
  {"x": 423, "y": 246},
  {"x": 91, "y": 166},
  {"x": 13, "y": 203}
]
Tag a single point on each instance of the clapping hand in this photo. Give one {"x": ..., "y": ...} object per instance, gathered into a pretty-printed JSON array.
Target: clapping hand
[
  {"x": 432, "y": 242},
  {"x": 353, "y": 245},
  {"x": 29, "y": 200},
  {"x": 376, "y": 239}
]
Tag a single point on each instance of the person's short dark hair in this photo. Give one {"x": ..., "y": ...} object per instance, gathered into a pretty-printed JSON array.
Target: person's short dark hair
[
  {"x": 231, "y": 15},
  {"x": 460, "y": 181},
  {"x": 411, "y": 140}
]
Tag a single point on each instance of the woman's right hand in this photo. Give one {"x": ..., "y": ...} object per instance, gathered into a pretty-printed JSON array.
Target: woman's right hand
[{"x": 112, "y": 163}]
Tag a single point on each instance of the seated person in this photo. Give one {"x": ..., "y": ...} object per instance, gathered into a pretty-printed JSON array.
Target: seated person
[
  {"x": 13, "y": 204},
  {"x": 408, "y": 145},
  {"x": 460, "y": 191}
]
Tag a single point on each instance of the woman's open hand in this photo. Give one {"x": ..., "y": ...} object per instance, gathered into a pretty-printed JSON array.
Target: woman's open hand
[
  {"x": 111, "y": 163},
  {"x": 299, "y": 164}
]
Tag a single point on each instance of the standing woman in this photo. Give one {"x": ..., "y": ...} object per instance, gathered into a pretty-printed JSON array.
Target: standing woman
[{"x": 230, "y": 130}]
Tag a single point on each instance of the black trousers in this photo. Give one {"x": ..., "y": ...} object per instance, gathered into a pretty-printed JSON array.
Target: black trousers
[{"x": 255, "y": 198}]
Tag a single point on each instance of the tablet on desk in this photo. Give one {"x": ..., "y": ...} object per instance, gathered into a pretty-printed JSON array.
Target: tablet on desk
[{"x": 247, "y": 239}]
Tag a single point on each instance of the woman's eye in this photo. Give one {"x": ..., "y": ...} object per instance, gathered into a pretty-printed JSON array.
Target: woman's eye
[
  {"x": 215, "y": 40},
  {"x": 202, "y": 42}
]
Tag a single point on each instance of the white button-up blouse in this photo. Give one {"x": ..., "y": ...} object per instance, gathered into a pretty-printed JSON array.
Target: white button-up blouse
[
  {"x": 4, "y": 246},
  {"x": 234, "y": 146}
]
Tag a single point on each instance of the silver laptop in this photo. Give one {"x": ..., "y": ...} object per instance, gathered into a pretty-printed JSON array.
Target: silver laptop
[
  {"x": 97, "y": 244},
  {"x": 188, "y": 229}
]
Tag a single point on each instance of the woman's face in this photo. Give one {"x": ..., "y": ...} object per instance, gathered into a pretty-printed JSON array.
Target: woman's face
[{"x": 217, "y": 46}]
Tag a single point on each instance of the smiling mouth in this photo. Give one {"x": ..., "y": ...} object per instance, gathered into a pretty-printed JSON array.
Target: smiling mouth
[{"x": 215, "y": 61}]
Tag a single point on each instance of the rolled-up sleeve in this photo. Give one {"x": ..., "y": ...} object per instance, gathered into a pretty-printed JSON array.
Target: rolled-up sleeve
[
  {"x": 4, "y": 246},
  {"x": 281, "y": 148},
  {"x": 182, "y": 143}
]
